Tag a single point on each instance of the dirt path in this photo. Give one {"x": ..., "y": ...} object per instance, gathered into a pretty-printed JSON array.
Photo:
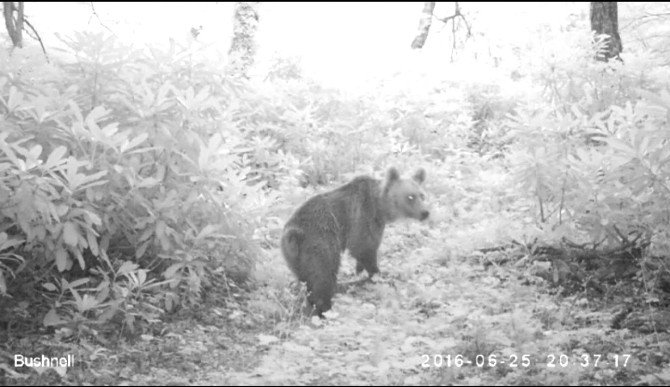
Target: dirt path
[{"x": 431, "y": 309}]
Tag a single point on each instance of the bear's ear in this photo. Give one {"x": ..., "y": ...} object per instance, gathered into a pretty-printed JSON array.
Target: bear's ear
[
  {"x": 419, "y": 175},
  {"x": 392, "y": 175}
]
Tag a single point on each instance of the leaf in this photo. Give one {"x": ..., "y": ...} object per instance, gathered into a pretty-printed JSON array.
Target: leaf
[
  {"x": 169, "y": 302},
  {"x": 86, "y": 303},
  {"x": 70, "y": 234},
  {"x": 75, "y": 294},
  {"x": 9, "y": 372},
  {"x": 162, "y": 235},
  {"x": 206, "y": 231},
  {"x": 127, "y": 267},
  {"x": 103, "y": 290},
  {"x": 49, "y": 286},
  {"x": 80, "y": 258},
  {"x": 34, "y": 152},
  {"x": 40, "y": 370},
  {"x": 96, "y": 115},
  {"x": 9, "y": 243},
  {"x": 134, "y": 142},
  {"x": 139, "y": 253},
  {"x": 170, "y": 271},
  {"x": 412, "y": 380},
  {"x": 301, "y": 349},
  {"x": 148, "y": 182},
  {"x": 90, "y": 180},
  {"x": 52, "y": 319},
  {"x": 15, "y": 99},
  {"x": 56, "y": 157},
  {"x": 77, "y": 283},
  {"x": 659, "y": 100},
  {"x": 620, "y": 146},
  {"x": 643, "y": 148},
  {"x": 92, "y": 243},
  {"x": 111, "y": 129},
  {"x": 62, "y": 371},
  {"x": 76, "y": 111},
  {"x": 108, "y": 314},
  {"x": 63, "y": 261},
  {"x": 267, "y": 339}
]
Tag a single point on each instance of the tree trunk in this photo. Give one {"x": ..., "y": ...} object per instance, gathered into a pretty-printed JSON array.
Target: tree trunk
[
  {"x": 605, "y": 20},
  {"x": 424, "y": 24},
  {"x": 243, "y": 47},
  {"x": 14, "y": 25}
]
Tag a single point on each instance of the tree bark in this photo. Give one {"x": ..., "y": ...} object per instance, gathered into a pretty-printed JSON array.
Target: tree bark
[
  {"x": 14, "y": 25},
  {"x": 605, "y": 20},
  {"x": 424, "y": 24},
  {"x": 243, "y": 46}
]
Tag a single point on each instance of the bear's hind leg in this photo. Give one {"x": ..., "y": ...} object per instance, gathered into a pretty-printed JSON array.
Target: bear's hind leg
[{"x": 324, "y": 263}]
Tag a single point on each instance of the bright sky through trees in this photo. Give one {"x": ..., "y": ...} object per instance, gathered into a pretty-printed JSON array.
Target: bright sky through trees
[{"x": 337, "y": 43}]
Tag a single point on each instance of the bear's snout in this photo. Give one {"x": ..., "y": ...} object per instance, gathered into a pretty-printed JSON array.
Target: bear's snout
[{"x": 424, "y": 214}]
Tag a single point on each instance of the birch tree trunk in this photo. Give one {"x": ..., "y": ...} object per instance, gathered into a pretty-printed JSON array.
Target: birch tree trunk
[{"x": 424, "y": 24}]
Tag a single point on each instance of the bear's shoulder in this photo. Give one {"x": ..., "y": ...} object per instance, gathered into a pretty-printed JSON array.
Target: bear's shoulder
[{"x": 361, "y": 185}]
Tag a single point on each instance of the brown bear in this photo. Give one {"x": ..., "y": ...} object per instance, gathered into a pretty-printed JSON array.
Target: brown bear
[{"x": 350, "y": 217}]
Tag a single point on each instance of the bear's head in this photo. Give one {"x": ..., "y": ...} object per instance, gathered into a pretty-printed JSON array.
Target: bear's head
[{"x": 404, "y": 198}]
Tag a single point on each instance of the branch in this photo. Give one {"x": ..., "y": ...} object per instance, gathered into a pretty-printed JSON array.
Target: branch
[
  {"x": 426, "y": 21},
  {"x": 95, "y": 13},
  {"x": 37, "y": 37},
  {"x": 457, "y": 14}
]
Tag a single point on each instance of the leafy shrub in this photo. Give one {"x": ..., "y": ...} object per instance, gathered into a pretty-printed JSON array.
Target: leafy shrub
[
  {"x": 123, "y": 157},
  {"x": 489, "y": 134},
  {"x": 591, "y": 170}
]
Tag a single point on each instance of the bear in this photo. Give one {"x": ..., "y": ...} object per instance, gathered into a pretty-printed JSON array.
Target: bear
[{"x": 351, "y": 217}]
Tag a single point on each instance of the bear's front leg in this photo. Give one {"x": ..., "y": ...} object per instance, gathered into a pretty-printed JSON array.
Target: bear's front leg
[{"x": 367, "y": 260}]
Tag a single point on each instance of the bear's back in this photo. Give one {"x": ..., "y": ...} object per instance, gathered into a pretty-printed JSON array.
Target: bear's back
[{"x": 343, "y": 211}]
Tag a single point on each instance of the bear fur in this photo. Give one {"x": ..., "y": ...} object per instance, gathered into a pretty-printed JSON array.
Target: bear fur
[{"x": 351, "y": 217}]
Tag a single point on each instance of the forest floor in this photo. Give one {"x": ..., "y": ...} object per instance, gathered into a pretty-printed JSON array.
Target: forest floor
[
  {"x": 438, "y": 314},
  {"x": 432, "y": 317}
]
